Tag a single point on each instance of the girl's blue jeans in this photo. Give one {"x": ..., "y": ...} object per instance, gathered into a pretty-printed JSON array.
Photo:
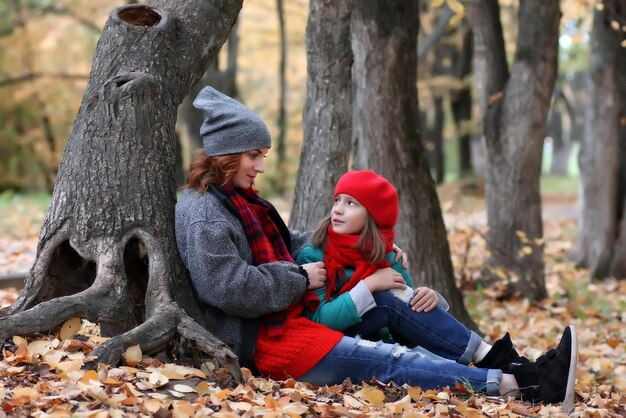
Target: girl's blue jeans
[{"x": 450, "y": 342}]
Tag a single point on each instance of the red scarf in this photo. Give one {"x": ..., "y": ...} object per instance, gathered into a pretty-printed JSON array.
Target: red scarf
[{"x": 340, "y": 252}]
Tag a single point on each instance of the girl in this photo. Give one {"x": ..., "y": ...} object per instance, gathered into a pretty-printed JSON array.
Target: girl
[
  {"x": 366, "y": 291},
  {"x": 240, "y": 257}
]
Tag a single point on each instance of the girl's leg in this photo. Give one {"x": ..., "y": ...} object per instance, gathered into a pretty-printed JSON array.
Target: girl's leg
[
  {"x": 361, "y": 360},
  {"x": 437, "y": 330}
]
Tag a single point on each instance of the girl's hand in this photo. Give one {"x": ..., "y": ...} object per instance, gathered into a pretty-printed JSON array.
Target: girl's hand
[
  {"x": 384, "y": 279},
  {"x": 316, "y": 273},
  {"x": 401, "y": 255},
  {"x": 425, "y": 300}
]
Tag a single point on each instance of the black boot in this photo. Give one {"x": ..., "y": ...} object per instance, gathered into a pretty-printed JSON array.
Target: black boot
[
  {"x": 551, "y": 378},
  {"x": 501, "y": 355}
]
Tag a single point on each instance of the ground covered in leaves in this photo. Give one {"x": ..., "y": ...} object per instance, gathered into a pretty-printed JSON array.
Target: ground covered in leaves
[{"x": 44, "y": 376}]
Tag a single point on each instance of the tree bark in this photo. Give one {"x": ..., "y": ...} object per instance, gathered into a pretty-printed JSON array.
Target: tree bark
[
  {"x": 599, "y": 153},
  {"x": 327, "y": 111},
  {"x": 281, "y": 138},
  {"x": 514, "y": 108},
  {"x": 384, "y": 41},
  {"x": 189, "y": 119},
  {"x": 107, "y": 250},
  {"x": 461, "y": 103}
]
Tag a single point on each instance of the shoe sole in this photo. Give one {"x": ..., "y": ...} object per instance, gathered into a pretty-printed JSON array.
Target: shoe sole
[{"x": 568, "y": 402}]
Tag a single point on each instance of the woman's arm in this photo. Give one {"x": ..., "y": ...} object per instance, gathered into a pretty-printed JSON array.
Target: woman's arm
[{"x": 224, "y": 279}]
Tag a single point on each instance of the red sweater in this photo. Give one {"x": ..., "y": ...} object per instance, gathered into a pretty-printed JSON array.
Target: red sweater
[{"x": 300, "y": 347}]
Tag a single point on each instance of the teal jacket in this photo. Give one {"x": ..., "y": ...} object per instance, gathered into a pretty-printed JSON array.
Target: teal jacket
[{"x": 345, "y": 310}]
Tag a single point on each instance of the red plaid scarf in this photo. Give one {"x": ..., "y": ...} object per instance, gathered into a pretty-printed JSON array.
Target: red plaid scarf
[{"x": 265, "y": 241}]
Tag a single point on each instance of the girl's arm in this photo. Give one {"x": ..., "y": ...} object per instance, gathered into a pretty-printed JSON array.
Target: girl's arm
[
  {"x": 397, "y": 266},
  {"x": 342, "y": 311}
]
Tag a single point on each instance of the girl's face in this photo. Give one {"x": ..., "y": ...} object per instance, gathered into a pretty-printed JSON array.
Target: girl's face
[
  {"x": 250, "y": 165},
  {"x": 348, "y": 216}
]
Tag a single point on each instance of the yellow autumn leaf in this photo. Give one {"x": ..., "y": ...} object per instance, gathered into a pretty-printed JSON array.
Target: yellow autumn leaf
[
  {"x": 132, "y": 355},
  {"x": 70, "y": 328},
  {"x": 415, "y": 393},
  {"x": 17, "y": 340},
  {"x": 89, "y": 375},
  {"x": 203, "y": 388},
  {"x": 152, "y": 405},
  {"x": 374, "y": 396},
  {"x": 25, "y": 392},
  {"x": 456, "y": 6},
  {"x": 522, "y": 236}
]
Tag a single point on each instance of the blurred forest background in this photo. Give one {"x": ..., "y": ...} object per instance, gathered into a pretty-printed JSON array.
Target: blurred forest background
[
  {"x": 47, "y": 47},
  {"x": 46, "y": 50}
]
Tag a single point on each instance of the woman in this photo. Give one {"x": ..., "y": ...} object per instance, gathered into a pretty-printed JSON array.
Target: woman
[{"x": 240, "y": 254}]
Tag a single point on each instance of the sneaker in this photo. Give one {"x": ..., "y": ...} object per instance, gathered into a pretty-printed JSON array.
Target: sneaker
[
  {"x": 552, "y": 377},
  {"x": 501, "y": 355}
]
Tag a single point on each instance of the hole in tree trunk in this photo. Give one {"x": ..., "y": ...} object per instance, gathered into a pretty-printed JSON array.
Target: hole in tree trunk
[
  {"x": 139, "y": 15},
  {"x": 68, "y": 272},
  {"x": 137, "y": 274}
]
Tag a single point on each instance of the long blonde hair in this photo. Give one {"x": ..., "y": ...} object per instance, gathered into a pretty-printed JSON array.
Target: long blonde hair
[{"x": 371, "y": 243}]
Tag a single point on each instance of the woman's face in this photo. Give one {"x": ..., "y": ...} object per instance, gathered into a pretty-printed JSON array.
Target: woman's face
[
  {"x": 250, "y": 164},
  {"x": 348, "y": 216}
]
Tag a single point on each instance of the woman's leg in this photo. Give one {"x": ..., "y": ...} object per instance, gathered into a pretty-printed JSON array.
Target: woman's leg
[
  {"x": 361, "y": 360},
  {"x": 436, "y": 331}
]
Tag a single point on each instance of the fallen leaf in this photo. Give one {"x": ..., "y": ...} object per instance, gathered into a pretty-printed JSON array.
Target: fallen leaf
[
  {"x": 132, "y": 355},
  {"x": 70, "y": 328}
]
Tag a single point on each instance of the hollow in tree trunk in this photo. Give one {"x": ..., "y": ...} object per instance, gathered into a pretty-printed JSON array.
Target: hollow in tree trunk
[{"x": 107, "y": 251}]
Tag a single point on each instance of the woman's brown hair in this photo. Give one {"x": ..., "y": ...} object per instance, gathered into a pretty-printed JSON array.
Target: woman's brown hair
[
  {"x": 370, "y": 242},
  {"x": 205, "y": 170}
]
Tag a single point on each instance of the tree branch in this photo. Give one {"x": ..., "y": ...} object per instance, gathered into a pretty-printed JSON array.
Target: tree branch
[
  {"x": 442, "y": 23},
  {"x": 31, "y": 76}
]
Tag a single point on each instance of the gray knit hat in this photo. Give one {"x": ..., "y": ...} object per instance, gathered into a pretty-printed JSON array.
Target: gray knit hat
[{"x": 229, "y": 127}]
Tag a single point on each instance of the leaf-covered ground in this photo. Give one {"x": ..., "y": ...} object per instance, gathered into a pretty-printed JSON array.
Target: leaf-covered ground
[{"x": 43, "y": 375}]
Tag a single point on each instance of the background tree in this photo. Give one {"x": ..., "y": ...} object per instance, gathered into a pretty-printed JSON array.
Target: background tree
[
  {"x": 327, "y": 111},
  {"x": 514, "y": 107},
  {"x": 601, "y": 155},
  {"x": 385, "y": 127},
  {"x": 107, "y": 251}
]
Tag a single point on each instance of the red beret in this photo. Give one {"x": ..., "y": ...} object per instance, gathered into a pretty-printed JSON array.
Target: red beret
[{"x": 374, "y": 192}]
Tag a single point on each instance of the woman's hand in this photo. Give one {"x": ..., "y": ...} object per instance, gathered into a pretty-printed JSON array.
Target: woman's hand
[
  {"x": 384, "y": 279},
  {"x": 401, "y": 255},
  {"x": 316, "y": 273},
  {"x": 425, "y": 300}
]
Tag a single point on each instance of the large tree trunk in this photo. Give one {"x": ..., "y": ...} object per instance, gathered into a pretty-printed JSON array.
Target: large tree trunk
[
  {"x": 189, "y": 118},
  {"x": 514, "y": 108},
  {"x": 327, "y": 111},
  {"x": 386, "y": 129},
  {"x": 599, "y": 152},
  {"x": 107, "y": 250}
]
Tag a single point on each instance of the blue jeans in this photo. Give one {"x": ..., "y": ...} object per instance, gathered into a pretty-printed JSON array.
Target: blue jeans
[
  {"x": 437, "y": 331},
  {"x": 361, "y": 360}
]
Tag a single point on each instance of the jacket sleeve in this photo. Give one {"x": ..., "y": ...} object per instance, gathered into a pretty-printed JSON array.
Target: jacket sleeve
[
  {"x": 298, "y": 242},
  {"x": 397, "y": 266},
  {"x": 338, "y": 313},
  {"x": 225, "y": 280}
]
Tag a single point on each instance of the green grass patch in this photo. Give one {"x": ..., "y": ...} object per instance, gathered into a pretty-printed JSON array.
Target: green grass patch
[
  {"x": 559, "y": 185},
  {"x": 10, "y": 198}
]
